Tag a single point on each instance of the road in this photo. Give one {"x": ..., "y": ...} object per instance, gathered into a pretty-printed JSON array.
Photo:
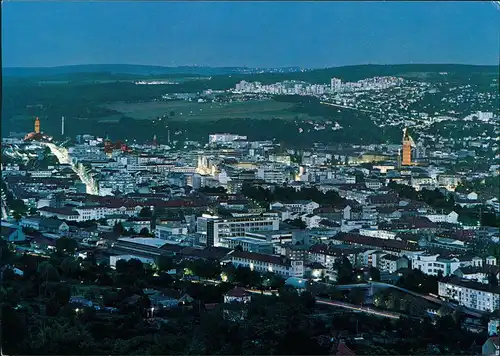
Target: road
[
  {"x": 63, "y": 157},
  {"x": 362, "y": 309},
  {"x": 429, "y": 298},
  {"x": 345, "y": 107},
  {"x": 343, "y": 305}
]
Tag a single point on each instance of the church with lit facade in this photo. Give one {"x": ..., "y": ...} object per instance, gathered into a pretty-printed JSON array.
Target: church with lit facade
[{"x": 36, "y": 134}]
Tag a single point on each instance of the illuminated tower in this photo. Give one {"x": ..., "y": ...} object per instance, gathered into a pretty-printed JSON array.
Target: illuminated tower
[
  {"x": 62, "y": 126},
  {"x": 155, "y": 141},
  {"x": 37, "y": 125},
  {"x": 107, "y": 145},
  {"x": 407, "y": 145}
]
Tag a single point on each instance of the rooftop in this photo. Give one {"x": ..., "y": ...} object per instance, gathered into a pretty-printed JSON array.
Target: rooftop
[{"x": 149, "y": 241}]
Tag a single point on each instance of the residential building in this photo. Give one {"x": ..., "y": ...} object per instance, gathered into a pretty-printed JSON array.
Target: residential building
[
  {"x": 390, "y": 263},
  {"x": 260, "y": 262},
  {"x": 250, "y": 244},
  {"x": 433, "y": 264},
  {"x": 237, "y": 295},
  {"x": 470, "y": 294},
  {"x": 218, "y": 229}
]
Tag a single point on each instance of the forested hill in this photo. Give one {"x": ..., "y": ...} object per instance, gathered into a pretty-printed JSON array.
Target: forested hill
[
  {"x": 423, "y": 72},
  {"x": 132, "y": 69},
  {"x": 347, "y": 73}
]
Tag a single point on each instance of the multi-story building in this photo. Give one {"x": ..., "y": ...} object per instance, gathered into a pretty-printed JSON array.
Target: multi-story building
[
  {"x": 433, "y": 264},
  {"x": 260, "y": 262},
  {"x": 301, "y": 206},
  {"x": 470, "y": 294},
  {"x": 390, "y": 263},
  {"x": 224, "y": 137},
  {"x": 379, "y": 234},
  {"x": 218, "y": 229},
  {"x": 448, "y": 180},
  {"x": 250, "y": 244},
  {"x": 170, "y": 231},
  {"x": 271, "y": 175}
]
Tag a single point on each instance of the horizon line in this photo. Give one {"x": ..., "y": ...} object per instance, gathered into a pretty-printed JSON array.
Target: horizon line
[{"x": 243, "y": 66}]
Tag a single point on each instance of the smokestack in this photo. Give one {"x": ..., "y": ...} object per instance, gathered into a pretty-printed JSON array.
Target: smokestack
[{"x": 62, "y": 126}]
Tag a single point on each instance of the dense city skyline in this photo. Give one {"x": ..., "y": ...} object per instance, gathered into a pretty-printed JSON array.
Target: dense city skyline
[{"x": 248, "y": 34}]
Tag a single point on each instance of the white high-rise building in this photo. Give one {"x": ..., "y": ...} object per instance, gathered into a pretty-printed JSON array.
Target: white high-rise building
[
  {"x": 420, "y": 150},
  {"x": 484, "y": 116},
  {"x": 335, "y": 84}
]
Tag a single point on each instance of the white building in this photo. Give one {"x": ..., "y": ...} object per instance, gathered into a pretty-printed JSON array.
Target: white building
[
  {"x": 493, "y": 326},
  {"x": 390, "y": 263},
  {"x": 451, "y": 218},
  {"x": 470, "y": 294},
  {"x": 335, "y": 84},
  {"x": 218, "y": 229},
  {"x": 271, "y": 175},
  {"x": 301, "y": 206},
  {"x": 379, "y": 234},
  {"x": 170, "y": 231},
  {"x": 432, "y": 264},
  {"x": 260, "y": 262},
  {"x": 224, "y": 137},
  {"x": 114, "y": 259},
  {"x": 250, "y": 244}
]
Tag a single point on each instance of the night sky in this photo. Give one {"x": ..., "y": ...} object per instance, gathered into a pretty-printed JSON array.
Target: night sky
[{"x": 255, "y": 34}]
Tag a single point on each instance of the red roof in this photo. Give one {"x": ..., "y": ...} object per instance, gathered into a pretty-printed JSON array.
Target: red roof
[
  {"x": 43, "y": 241},
  {"x": 495, "y": 340},
  {"x": 238, "y": 292},
  {"x": 60, "y": 211},
  {"x": 276, "y": 260},
  {"x": 374, "y": 242},
  {"x": 343, "y": 350}
]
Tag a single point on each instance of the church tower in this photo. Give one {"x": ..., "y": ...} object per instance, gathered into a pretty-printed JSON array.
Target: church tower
[
  {"x": 407, "y": 144},
  {"x": 37, "y": 125}
]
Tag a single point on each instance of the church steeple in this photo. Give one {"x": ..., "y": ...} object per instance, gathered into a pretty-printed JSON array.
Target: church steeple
[{"x": 37, "y": 125}]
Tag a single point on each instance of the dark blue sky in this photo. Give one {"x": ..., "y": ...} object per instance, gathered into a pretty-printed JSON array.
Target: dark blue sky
[{"x": 264, "y": 34}]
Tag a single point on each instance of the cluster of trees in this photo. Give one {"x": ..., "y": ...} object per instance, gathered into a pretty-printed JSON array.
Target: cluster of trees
[
  {"x": 212, "y": 190},
  {"x": 212, "y": 270},
  {"x": 405, "y": 336},
  {"x": 17, "y": 205},
  {"x": 437, "y": 200},
  {"x": 399, "y": 302},
  {"x": 434, "y": 198},
  {"x": 38, "y": 319},
  {"x": 488, "y": 187},
  {"x": 120, "y": 230},
  {"x": 417, "y": 281},
  {"x": 272, "y": 325},
  {"x": 288, "y": 195}
]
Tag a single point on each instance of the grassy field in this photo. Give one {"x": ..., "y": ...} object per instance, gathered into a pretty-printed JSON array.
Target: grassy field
[{"x": 185, "y": 110}]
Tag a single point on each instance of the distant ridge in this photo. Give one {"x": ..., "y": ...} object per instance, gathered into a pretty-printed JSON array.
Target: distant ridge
[
  {"x": 350, "y": 72},
  {"x": 133, "y": 69}
]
